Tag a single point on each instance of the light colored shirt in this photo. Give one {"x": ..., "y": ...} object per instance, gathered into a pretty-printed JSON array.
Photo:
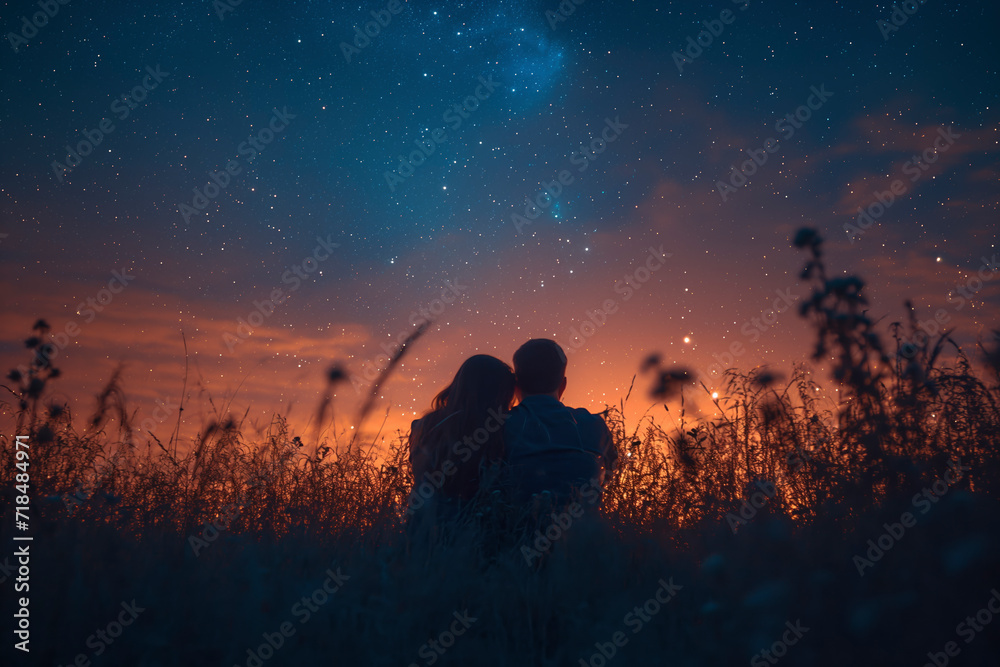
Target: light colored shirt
[{"x": 555, "y": 448}]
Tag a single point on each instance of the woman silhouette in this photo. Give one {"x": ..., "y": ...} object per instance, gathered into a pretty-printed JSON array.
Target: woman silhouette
[{"x": 454, "y": 445}]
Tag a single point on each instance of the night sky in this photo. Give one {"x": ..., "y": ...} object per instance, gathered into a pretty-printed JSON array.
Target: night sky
[{"x": 649, "y": 233}]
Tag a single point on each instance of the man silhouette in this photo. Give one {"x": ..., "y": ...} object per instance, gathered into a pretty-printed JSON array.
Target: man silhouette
[{"x": 551, "y": 447}]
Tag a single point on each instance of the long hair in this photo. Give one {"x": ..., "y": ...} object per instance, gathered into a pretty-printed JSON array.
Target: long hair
[{"x": 483, "y": 388}]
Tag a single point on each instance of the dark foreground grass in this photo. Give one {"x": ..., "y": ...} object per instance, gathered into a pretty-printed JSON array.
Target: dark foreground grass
[{"x": 862, "y": 530}]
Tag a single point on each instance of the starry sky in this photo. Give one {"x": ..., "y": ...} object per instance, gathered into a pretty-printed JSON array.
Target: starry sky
[{"x": 278, "y": 191}]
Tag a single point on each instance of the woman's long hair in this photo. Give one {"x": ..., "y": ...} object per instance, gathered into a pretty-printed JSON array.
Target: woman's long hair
[{"x": 482, "y": 389}]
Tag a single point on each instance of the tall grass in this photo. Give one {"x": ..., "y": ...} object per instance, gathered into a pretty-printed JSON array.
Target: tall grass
[{"x": 120, "y": 516}]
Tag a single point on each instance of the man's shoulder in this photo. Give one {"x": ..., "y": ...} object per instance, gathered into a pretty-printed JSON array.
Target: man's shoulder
[
  {"x": 585, "y": 416},
  {"x": 552, "y": 406},
  {"x": 585, "y": 413}
]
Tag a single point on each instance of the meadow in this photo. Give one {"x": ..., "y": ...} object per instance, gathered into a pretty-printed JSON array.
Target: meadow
[{"x": 793, "y": 528}]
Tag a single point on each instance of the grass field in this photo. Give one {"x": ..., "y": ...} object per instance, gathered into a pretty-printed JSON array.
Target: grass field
[{"x": 793, "y": 529}]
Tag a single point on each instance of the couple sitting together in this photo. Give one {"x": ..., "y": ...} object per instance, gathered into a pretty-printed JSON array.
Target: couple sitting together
[{"x": 472, "y": 441}]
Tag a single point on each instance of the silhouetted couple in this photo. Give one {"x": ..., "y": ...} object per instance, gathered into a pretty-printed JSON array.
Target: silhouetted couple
[{"x": 473, "y": 443}]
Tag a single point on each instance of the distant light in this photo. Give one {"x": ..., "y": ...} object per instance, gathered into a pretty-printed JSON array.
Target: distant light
[
  {"x": 939, "y": 259},
  {"x": 715, "y": 394},
  {"x": 687, "y": 339}
]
